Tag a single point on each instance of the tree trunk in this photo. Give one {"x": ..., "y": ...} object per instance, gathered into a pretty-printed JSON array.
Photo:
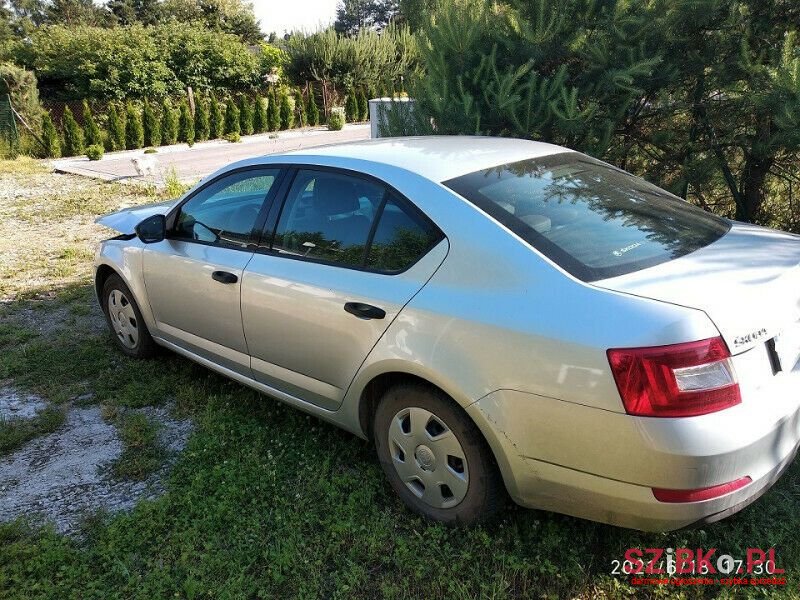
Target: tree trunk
[{"x": 754, "y": 177}]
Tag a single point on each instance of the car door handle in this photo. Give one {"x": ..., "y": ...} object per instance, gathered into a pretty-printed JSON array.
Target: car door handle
[
  {"x": 224, "y": 277},
  {"x": 364, "y": 311}
]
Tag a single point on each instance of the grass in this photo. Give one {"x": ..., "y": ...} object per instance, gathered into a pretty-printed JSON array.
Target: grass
[
  {"x": 14, "y": 433},
  {"x": 266, "y": 502}
]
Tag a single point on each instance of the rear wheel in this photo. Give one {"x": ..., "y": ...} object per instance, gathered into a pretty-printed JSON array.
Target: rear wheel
[
  {"x": 435, "y": 457},
  {"x": 125, "y": 320}
]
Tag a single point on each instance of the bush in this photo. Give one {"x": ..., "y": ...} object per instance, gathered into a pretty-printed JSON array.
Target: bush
[
  {"x": 245, "y": 115},
  {"x": 116, "y": 129},
  {"x": 233, "y": 137},
  {"x": 363, "y": 105},
  {"x": 336, "y": 118},
  {"x": 351, "y": 111},
  {"x": 186, "y": 124},
  {"x": 232, "y": 124},
  {"x": 273, "y": 113},
  {"x": 260, "y": 116},
  {"x": 169, "y": 124},
  {"x": 73, "y": 134},
  {"x": 151, "y": 125},
  {"x": 202, "y": 126},
  {"x": 90, "y": 128},
  {"x": 216, "y": 119},
  {"x": 300, "y": 109},
  {"x": 52, "y": 143},
  {"x": 311, "y": 109},
  {"x": 134, "y": 130},
  {"x": 287, "y": 113},
  {"x": 94, "y": 152},
  {"x": 150, "y": 151},
  {"x": 21, "y": 86}
]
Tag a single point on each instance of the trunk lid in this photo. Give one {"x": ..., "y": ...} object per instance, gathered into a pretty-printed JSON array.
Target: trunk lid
[
  {"x": 127, "y": 219},
  {"x": 747, "y": 282}
]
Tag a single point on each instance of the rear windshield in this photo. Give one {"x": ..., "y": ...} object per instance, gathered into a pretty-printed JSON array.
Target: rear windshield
[{"x": 592, "y": 219}]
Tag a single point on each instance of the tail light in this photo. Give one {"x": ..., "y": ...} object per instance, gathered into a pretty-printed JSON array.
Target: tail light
[
  {"x": 698, "y": 495},
  {"x": 682, "y": 380}
]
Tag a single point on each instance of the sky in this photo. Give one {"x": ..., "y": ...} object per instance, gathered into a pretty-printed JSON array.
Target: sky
[{"x": 288, "y": 15}]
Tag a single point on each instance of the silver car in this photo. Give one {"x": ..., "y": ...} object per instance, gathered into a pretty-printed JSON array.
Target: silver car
[{"x": 499, "y": 316}]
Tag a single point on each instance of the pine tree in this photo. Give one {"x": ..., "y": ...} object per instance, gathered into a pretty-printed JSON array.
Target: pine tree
[
  {"x": 351, "y": 107},
  {"x": 185, "y": 124},
  {"x": 134, "y": 130},
  {"x": 216, "y": 119},
  {"x": 287, "y": 114},
  {"x": 232, "y": 124},
  {"x": 300, "y": 108},
  {"x": 202, "y": 126},
  {"x": 311, "y": 109},
  {"x": 169, "y": 124},
  {"x": 52, "y": 143},
  {"x": 273, "y": 112},
  {"x": 245, "y": 115},
  {"x": 260, "y": 116},
  {"x": 92, "y": 131},
  {"x": 363, "y": 105},
  {"x": 73, "y": 134},
  {"x": 116, "y": 129},
  {"x": 151, "y": 126}
]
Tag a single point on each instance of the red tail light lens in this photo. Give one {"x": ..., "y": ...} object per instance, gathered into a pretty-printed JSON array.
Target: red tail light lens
[
  {"x": 683, "y": 380},
  {"x": 698, "y": 495}
]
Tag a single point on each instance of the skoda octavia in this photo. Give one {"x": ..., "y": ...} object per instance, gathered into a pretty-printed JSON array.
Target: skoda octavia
[{"x": 499, "y": 316}]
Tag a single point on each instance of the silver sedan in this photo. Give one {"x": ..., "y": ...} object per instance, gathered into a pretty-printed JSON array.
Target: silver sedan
[{"x": 501, "y": 317}]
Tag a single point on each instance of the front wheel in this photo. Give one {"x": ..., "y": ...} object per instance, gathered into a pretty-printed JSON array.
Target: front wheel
[
  {"x": 435, "y": 457},
  {"x": 125, "y": 320}
]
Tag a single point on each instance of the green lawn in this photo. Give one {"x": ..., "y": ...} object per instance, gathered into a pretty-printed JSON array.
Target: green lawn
[{"x": 266, "y": 502}]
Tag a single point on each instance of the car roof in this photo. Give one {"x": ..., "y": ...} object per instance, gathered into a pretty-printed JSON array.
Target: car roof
[{"x": 439, "y": 157}]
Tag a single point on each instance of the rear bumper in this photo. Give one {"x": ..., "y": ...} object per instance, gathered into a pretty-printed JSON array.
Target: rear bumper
[{"x": 602, "y": 465}]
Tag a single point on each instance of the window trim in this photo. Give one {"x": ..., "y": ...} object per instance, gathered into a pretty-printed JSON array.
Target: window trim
[
  {"x": 255, "y": 232},
  {"x": 267, "y": 239}
]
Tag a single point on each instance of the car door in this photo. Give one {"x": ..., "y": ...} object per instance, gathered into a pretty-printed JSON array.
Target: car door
[
  {"x": 347, "y": 254},
  {"x": 193, "y": 278}
]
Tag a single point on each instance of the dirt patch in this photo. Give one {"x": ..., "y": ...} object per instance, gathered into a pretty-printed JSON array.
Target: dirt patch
[
  {"x": 64, "y": 476},
  {"x": 18, "y": 405}
]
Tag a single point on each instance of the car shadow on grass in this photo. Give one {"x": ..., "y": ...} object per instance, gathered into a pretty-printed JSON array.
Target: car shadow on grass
[{"x": 265, "y": 501}]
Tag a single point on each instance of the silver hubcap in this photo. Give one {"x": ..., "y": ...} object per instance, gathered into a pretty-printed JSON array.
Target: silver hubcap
[
  {"x": 428, "y": 457},
  {"x": 123, "y": 319}
]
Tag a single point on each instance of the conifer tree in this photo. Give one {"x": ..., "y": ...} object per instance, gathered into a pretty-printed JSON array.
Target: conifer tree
[
  {"x": 312, "y": 111},
  {"x": 287, "y": 114},
  {"x": 116, "y": 129},
  {"x": 151, "y": 126},
  {"x": 52, "y": 143},
  {"x": 232, "y": 123},
  {"x": 73, "y": 134},
  {"x": 216, "y": 119},
  {"x": 202, "y": 125},
  {"x": 134, "y": 130},
  {"x": 185, "y": 124},
  {"x": 363, "y": 105},
  {"x": 245, "y": 115},
  {"x": 300, "y": 108},
  {"x": 90, "y": 128},
  {"x": 260, "y": 116},
  {"x": 169, "y": 124},
  {"x": 351, "y": 107},
  {"x": 273, "y": 112}
]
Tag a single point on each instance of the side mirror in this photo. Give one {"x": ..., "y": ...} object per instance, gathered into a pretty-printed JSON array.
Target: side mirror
[{"x": 152, "y": 229}]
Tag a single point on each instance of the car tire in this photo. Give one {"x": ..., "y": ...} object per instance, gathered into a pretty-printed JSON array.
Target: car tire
[
  {"x": 435, "y": 457},
  {"x": 124, "y": 319}
]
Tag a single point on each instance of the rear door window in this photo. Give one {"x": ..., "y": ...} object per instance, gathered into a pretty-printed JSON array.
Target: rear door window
[{"x": 592, "y": 219}]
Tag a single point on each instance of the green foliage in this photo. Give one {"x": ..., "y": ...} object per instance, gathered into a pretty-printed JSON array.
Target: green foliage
[
  {"x": 90, "y": 128},
  {"x": 136, "y": 61},
  {"x": 116, "y": 129},
  {"x": 354, "y": 15},
  {"x": 351, "y": 111},
  {"x": 363, "y": 105},
  {"x": 233, "y": 137},
  {"x": 273, "y": 59},
  {"x": 245, "y": 115},
  {"x": 21, "y": 86},
  {"x": 273, "y": 112},
  {"x": 232, "y": 121},
  {"x": 300, "y": 109},
  {"x": 73, "y": 134},
  {"x": 202, "y": 125},
  {"x": 311, "y": 109},
  {"x": 234, "y": 17},
  {"x": 286, "y": 111},
  {"x": 169, "y": 124},
  {"x": 260, "y": 115},
  {"x": 216, "y": 119},
  {"x": 151, "y": 125},
  {"x": 94, "y": 152},
  {"x": 336, "y": 119},
  {"x": 134, "y": 129},
  {"x": 185, "y": 124},
  {"x": 52, "y": 143}
]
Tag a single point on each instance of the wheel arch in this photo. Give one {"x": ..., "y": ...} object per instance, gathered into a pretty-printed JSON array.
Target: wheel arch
[{"x": 101, "y": 275}]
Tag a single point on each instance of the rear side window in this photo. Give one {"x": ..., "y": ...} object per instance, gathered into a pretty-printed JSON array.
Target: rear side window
[
  {"x": 593, "y": 220},
  {"x": 401, "y": 238}
]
